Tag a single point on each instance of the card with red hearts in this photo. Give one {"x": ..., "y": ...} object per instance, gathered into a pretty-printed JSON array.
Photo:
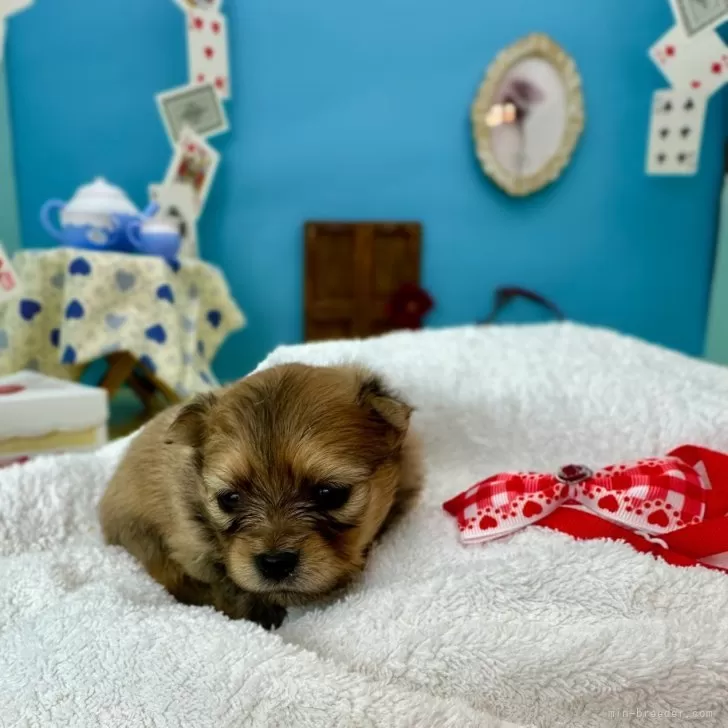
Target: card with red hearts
[
  {"x": 188, "y": 5},
  {"x": 194, "y": 164},
  {"x": 207, "y": 50},
  {"x": 698, "y": 64},
  {"x": 9, "y": 281}
]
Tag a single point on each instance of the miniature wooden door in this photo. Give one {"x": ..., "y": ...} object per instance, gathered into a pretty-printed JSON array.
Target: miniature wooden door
[{"x": 351, "y": 272}]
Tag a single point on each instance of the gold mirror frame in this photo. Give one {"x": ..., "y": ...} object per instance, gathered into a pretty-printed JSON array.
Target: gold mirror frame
[{"x": 540, "y": 45}]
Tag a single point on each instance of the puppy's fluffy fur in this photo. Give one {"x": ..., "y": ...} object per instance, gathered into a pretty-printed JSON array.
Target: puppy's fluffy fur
[{"x": 315, "y": 461}]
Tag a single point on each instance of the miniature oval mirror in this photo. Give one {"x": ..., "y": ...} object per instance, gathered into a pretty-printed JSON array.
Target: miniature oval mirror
[{"x": 528, "y": 115}]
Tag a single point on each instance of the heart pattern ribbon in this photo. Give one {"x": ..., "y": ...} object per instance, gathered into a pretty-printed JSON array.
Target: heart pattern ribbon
[{"x": 652, "y": 496}]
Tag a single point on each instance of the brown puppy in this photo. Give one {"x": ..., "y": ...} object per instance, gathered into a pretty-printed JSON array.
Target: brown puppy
[{"x": 267, "y": 493}]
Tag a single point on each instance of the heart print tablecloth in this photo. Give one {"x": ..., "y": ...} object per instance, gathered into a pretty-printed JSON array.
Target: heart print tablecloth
[{"x": 77, "y": 306}]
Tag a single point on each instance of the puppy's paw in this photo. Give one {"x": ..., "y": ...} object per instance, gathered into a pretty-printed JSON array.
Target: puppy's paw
[{"x": 269, "y": 616}]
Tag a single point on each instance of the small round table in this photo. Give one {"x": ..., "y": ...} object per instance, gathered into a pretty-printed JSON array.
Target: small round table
[{"x": 158, "y": 323}]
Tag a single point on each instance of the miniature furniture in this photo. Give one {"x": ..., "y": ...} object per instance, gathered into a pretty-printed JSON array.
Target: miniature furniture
[
  {"x": 352, "y": 271},
  {"x": 158, "y": 323}
]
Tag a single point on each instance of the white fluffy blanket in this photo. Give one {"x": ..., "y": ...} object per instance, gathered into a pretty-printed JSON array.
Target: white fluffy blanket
[{"x": 537, "y": 630}]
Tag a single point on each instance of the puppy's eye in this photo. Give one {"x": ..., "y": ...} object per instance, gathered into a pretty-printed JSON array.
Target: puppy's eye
[
  {"x": 330, "y": 497},
  {"x": 228, "y": 500}
]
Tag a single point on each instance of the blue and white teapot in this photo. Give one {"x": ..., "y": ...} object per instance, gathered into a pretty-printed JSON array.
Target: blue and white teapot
[{"x": 96, "y": 217}]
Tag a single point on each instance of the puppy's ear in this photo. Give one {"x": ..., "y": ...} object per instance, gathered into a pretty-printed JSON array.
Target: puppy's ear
[
  {"x": 190, "y": 426},
  {"x": 390, "y": 407}
]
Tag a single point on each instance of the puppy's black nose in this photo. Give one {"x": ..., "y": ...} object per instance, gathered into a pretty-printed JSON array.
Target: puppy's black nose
[{"x": 277, "y": 565}]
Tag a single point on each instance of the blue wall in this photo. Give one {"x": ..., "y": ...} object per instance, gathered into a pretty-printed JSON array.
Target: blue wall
[
  {"x": 9, "y": 233},
  {"x": 360, "y": 110}
]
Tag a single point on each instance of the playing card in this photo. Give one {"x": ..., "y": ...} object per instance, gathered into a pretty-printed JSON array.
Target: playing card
[
  {"x": 9, "y": 281},
  {"x": 178, "y": 203},
  {"x": 676, "y": 132},
  {"x": 194, "y": 164},
  {"x": 188, "y": 5},
  {"x": 176, "y": 194},
  {"x": 207, "y": 50},
  {"x": 698, "y": 64},
  {"x": 195, "y": 106},
  {"x": 695, "y": 16},
  {"x": 10, "y": 7}
]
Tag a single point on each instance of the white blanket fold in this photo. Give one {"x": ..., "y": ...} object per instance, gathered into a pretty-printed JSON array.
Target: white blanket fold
[{"x": 537, "y": 629}]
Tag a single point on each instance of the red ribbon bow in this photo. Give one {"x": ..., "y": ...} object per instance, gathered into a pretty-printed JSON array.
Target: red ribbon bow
[{"x": 674, "y": 498}]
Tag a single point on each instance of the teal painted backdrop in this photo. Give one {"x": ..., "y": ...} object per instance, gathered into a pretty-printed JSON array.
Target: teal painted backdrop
[
  {"x": 9, "y": 231},
  {"x": 360, "y": 110},
  {"x": 716, "y": 343}
]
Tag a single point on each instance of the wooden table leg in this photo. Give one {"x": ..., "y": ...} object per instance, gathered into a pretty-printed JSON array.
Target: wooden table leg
[
  {"x": 167, "y": 392},
  {"x": 123, "y": 368},
  {"x": 121, "y": 365},
  {"x": 150, "y": 389},
  {"x": 143, "y": 389}
]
